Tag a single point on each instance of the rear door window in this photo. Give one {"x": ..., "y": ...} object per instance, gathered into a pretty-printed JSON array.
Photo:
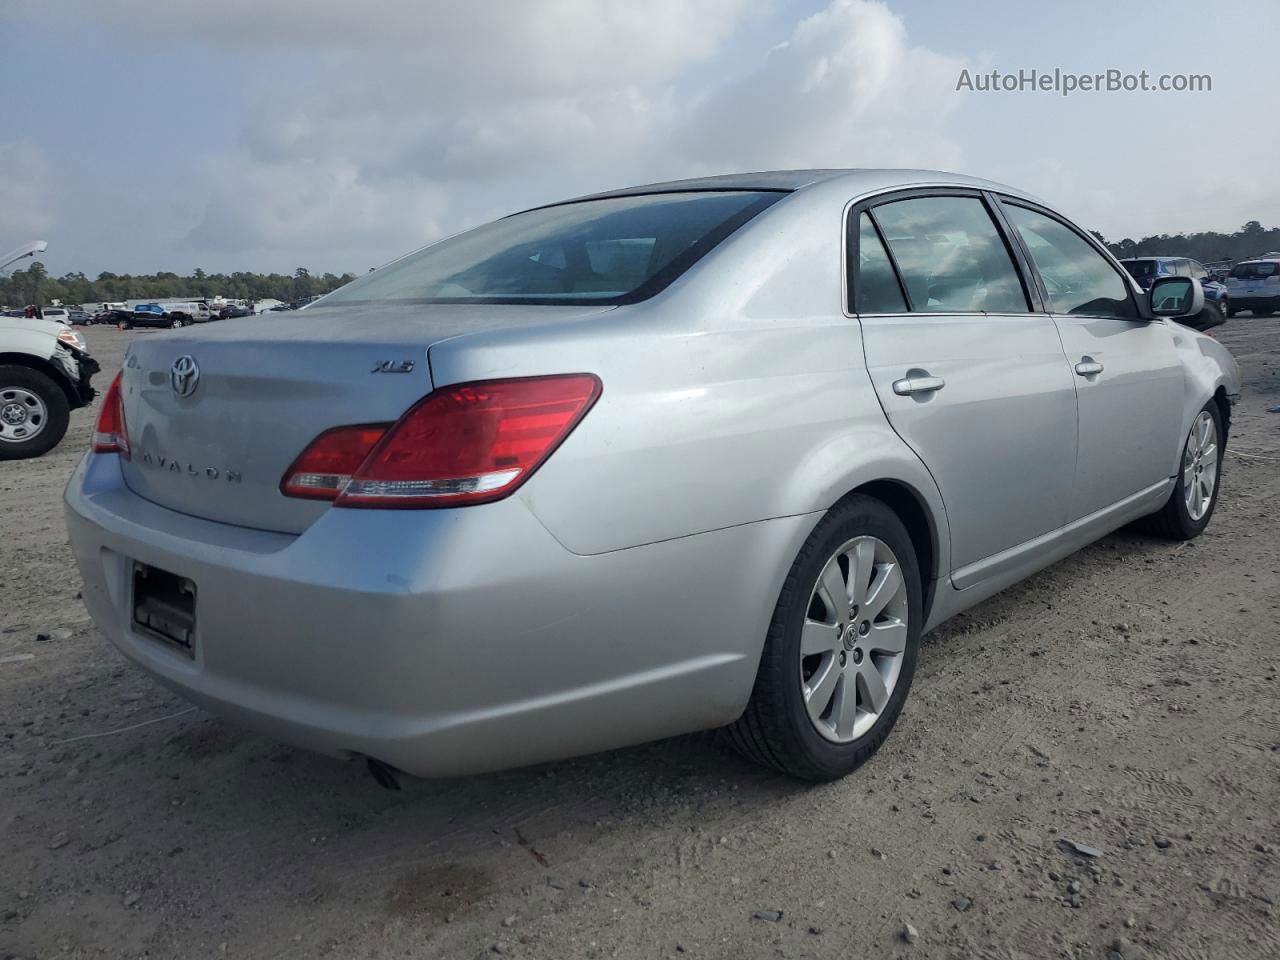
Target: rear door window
[
  {"x": 951, "y": 256},
  {"x": 1139, "y": 269},
  {"x": 876, "y": 289},
  {"x": 1254, "y": 271},
  {"x": 1079, "y": 280}
]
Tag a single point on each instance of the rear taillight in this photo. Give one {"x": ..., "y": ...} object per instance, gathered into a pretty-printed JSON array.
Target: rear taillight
[
  {"x": 327, "y": 465},
  {"x": 468, "y": 443},
  {"x": 109, "y": 434}
]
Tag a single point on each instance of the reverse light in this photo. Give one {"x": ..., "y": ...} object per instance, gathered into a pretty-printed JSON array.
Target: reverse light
[
  {"x": 463, "y": 444},
  {"x": 323, "y": 469},
  {"x": 109, "y": 433}
]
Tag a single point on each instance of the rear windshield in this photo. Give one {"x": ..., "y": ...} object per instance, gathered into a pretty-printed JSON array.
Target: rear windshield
[
  {"x": 614, "y": 250},
  {"x": 1139, "y": 269},
  {"x": 1253, "y": 271}
]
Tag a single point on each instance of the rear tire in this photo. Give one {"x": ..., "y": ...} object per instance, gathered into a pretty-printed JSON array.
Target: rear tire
[
  {"x": 34, "y": 413},
  {"x": 778, "y": 728},
  {"x": 177, "y": 323},
  {"x": 1184, "y": 517}
]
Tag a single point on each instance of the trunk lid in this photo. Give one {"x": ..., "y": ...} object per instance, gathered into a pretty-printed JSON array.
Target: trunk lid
[{"x": 215, "y": 444}]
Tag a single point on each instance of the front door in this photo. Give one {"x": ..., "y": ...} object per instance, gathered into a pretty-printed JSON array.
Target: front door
[
  {"x": 1128, "y": 378},
  {"x": 968, "y": 375}
]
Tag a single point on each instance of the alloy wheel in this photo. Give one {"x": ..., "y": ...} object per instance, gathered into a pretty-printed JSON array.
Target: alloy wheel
[
  {"x": 854, "y": 639},
  {"x": 1200, "y": 466}
]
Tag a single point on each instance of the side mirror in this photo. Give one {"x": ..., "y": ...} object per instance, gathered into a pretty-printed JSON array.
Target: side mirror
[{"x": 1176, "y": 297}]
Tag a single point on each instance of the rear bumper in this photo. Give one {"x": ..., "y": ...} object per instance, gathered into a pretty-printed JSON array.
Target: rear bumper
[
  {"x": 440, "y": 641},
  {"x": 1241, "y": 302}
]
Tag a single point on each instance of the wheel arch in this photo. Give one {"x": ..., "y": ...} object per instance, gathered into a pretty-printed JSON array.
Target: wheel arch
[
  {"x": 48, "y": 368},
  {"x": 910, "y": 506},
  {"x": 1224, "y": 410}
]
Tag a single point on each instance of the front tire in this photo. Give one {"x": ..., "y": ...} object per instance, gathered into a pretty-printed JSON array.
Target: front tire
[
  {"x": 34, "y": 413},
  {"x": 1195, "y": 493},
  {"x": 841, "y": 649}
]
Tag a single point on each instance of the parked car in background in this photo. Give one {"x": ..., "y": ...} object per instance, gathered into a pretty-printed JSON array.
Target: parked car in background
[
  {"x": 45, "y": 373},
  {"x": 160, "y": 315},
  {"x": 78, "y": 317},
  {"x": 122, "y": 318},
  {"x": 1219, "y": 269},
  {"x": 232, "y": 310},
  {"x": 653, "y": 461},
  {"x": 150, "y": 315},
  {"x": 56, "y": 314},
  {"x": 1146, "y": 269},
  {"x": 1254, "y": 285},
  {"x": 191, "y": 311}
]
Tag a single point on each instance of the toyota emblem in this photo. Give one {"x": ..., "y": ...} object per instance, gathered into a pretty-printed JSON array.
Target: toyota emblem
[{"x": 184, "y": 375}]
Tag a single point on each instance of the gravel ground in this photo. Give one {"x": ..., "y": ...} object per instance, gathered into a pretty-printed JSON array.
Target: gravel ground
[{"x": 1125, "y": 699}]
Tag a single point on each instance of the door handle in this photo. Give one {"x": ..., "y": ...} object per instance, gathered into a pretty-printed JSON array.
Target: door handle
[
  {"x": 1088, "y": 366},
  {"x": 910, "y": 386}
]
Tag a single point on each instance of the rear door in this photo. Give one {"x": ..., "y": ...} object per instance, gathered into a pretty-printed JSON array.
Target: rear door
[
  {"x": 969, "y": 372},
  {"x": 1128, "y": 378}
]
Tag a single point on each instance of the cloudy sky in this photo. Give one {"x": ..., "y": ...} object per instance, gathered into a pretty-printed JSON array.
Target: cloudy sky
[{"x": 144, "y": 135}]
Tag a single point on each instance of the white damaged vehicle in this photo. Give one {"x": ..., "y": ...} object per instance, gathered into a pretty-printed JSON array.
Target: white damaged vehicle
[{"x": 45, "y": 373}]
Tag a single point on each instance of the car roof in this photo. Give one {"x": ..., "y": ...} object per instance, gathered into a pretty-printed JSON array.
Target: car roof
[
  {"x": 1156, "y": 259},
  {"x": 857, "y": 180},
  {"x": 1240, "y": 263}
]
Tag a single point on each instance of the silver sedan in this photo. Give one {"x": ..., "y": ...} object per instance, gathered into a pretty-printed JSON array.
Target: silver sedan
[{"x": 698, "y": 454}]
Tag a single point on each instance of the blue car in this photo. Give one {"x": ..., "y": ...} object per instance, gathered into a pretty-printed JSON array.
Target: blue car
[{"x": 1147, "y": 269}]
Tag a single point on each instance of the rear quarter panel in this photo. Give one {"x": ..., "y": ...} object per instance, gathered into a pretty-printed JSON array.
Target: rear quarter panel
[{"x": 737, "y": 395}]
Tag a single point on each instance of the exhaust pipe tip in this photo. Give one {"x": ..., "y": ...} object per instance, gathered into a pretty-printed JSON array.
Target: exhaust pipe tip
[{"x": 384, "y": 774}]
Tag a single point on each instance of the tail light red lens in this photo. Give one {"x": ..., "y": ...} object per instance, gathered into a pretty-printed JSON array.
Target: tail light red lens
[
  {"x": 471, "y": 443},
  {"x": 323, "y": 469},
  {"x": 109, "y": 433},
  {"x": 463, "y": 444}
]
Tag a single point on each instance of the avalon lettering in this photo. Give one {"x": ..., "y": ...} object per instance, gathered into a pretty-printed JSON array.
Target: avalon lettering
[{"x": 175, "y": 466}]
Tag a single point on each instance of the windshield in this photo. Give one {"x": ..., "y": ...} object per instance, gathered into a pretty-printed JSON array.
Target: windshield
[
  {"x": 1254, "y": 271},
  {"x": 613, "y": 250},
  {"x": 1139, "y": 269}
]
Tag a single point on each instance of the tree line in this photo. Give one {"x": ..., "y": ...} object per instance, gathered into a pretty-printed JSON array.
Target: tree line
[
  {"x": 1251, "y": 240},
  {"x": 35, "y": 285}
]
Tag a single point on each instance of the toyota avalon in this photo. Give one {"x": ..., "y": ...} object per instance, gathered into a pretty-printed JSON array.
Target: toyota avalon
[{"x": 711, "y": 453}]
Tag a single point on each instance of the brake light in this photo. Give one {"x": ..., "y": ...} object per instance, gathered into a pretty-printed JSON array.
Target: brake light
[
  {"x": 109, "y": 433},
  {"x": 322, "y": 470},
  {"x": 463, "y": 444}
]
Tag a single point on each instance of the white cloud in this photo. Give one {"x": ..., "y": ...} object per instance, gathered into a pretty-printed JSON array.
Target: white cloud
[
  {"x": 846, "y": 90},
  {"x": 415, "y": 119},
  {"x": 422, "y": 123}
]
